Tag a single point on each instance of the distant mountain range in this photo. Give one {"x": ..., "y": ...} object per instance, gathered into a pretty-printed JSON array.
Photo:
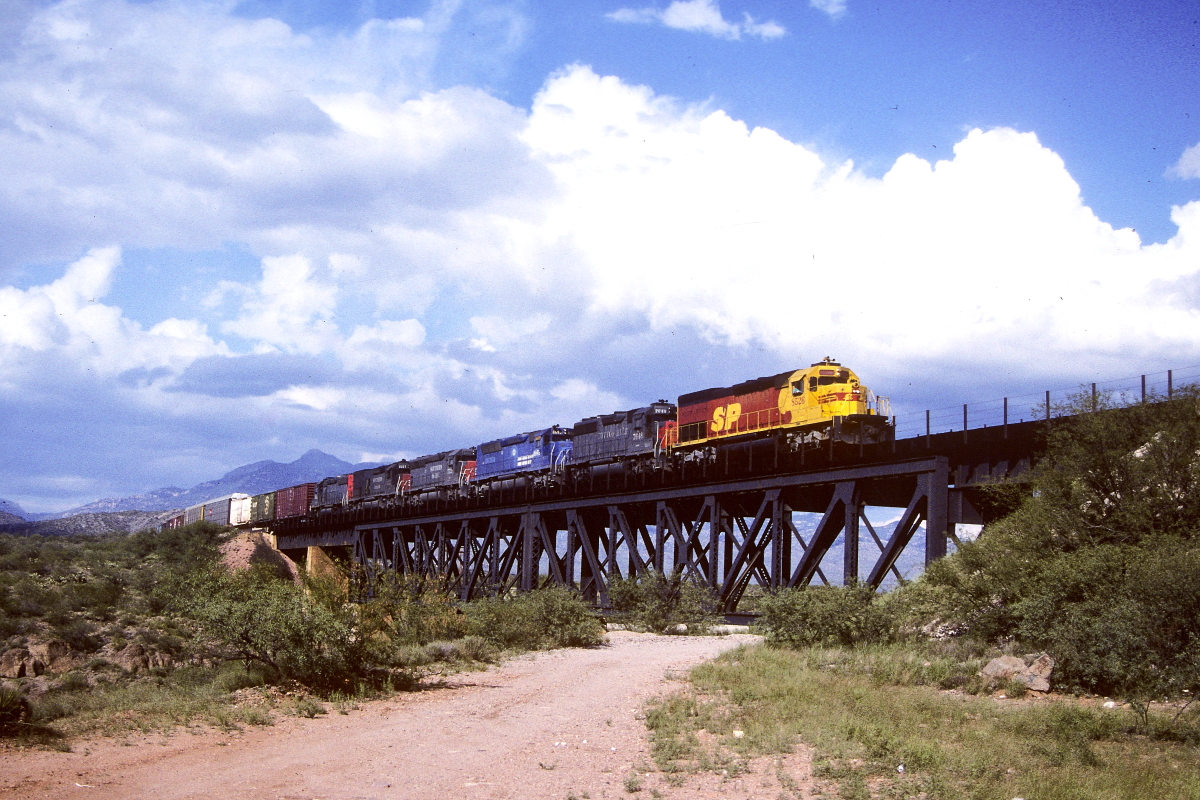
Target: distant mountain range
[{"x": 256, "y": 478}]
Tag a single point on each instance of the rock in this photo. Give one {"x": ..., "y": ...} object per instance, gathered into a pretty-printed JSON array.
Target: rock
[
  {"x": 1035, "y": 676},
  {"x": 12, "y": 663},
  {"x": 1041, "y": 666},
  {"x": 55, "y": 654},
  {"x": 132, "y": 658},
  {"x": 1003, "y": 668},
  {"x": 18, "y": 663},
  {"x": 157, "y": 659}
]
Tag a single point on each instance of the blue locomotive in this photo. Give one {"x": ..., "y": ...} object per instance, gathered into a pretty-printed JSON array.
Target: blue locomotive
[{"x": 525, "y": 459}]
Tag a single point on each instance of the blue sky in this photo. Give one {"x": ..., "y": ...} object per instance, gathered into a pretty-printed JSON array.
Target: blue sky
[{"x": 235, "y": 231}]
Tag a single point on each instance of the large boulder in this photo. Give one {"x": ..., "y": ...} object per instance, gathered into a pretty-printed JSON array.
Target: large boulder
[
  {"x": 1033, "y": 671},
  {"x": 18, "y": 663},
  {"x": 1002, "y": 668},
  {"x": 57, "y": 655},
  {"x": 132, "y": 658}
]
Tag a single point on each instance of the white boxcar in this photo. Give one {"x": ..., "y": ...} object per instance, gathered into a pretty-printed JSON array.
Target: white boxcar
[
  {"x": 239, "y": 509},
  {"x": 217, "y": 510}
]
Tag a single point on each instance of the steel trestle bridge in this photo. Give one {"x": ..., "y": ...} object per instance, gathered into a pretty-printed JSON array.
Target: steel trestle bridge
[{"x": 727, "y": 524}]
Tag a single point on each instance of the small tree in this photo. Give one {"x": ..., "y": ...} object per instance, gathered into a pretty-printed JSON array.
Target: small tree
[
  {"x": 823, "y": 615},
  {"x": 658, "y": 602},
  {"x": 312, "y": 636}
]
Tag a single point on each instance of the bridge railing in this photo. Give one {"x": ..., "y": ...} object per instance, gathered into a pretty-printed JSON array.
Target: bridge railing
[{"x": 1033, "y": 406}]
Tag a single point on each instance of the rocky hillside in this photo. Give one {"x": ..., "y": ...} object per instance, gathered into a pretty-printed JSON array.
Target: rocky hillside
[
  {"x": 88, "y": 524},
  {"x": 10, "y": 509}
]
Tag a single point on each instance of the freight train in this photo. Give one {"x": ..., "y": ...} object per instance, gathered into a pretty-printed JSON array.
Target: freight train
[{"x": 793, "y": 410}]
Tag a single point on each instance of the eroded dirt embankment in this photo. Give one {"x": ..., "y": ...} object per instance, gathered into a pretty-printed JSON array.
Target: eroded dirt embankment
[{"x": 548, "y": 725}]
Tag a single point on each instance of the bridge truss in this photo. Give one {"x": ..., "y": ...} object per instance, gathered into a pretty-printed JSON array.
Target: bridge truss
[{"x": 729, "y": 534}]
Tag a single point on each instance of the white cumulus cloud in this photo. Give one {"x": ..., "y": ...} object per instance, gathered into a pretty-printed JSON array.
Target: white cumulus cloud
[
  {"x": 433, "y": 267},
  {"x": 700, "y": 16},
  {"x": 1188, "y": 165},
  {"x": 834, "y": 8}
]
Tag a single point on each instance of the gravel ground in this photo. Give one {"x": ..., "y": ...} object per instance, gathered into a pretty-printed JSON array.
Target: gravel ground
[{"x": 559, "y": 724}]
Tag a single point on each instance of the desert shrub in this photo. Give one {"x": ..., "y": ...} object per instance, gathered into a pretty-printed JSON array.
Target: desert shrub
[
  {"x": 416, "y": 610},
  {"x": 180, "y": 550},
  {"x": 14, "y": 708},
  {"x": 307, "y": 707},
  {"x": 1120, "y": 620},
  {"x": 1100, "y": 564},
  {"x": 308, "y": 636},
  {"x": 475, "y": 648},
  {"x": 73, "y": 682},
  {"x": 80, "y": 634},
  {"x": 234, "y": 676},
  {"x": 97, "y": 595},
  {"x": 659, "y": 602},
  {"x": 824, "y": 615},
  {"x": 549, "y": 617}
]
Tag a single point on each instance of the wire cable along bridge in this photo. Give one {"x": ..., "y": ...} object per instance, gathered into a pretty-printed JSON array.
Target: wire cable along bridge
[{"x": 726, "y": 521}]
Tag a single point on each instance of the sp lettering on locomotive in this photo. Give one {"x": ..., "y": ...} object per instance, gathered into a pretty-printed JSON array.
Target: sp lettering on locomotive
[{"x": 725, "y": 417}]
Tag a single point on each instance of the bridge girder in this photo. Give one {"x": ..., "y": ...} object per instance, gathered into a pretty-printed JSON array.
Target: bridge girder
[{"x": 728, "y": 535}]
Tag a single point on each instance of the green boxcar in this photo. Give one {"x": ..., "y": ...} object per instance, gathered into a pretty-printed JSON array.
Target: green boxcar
[{"x": 262, "y": 507}]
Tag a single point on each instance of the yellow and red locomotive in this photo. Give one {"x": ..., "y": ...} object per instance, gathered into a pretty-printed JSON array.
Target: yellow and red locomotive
[{"x": 825, "y": 401}]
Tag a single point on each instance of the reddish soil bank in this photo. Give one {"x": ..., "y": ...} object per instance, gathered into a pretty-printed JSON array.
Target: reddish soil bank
[{"x": 560, "y": 724}]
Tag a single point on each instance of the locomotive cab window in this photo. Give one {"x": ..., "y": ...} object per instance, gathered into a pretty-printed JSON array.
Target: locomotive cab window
[
  {"x": 812, "y": 383},
  {"x": 797, "y": 388}
]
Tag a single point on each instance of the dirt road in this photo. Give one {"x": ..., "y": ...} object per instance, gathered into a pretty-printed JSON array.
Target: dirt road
[{"x": 557, "y": 725}]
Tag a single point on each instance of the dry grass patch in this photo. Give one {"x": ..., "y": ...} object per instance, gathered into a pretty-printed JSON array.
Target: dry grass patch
[{"x": 881, "y": 727}]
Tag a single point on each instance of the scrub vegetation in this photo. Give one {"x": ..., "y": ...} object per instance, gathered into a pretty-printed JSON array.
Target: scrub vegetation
[
  {"x": 150, "y": 630},
  {"x": 664, "y": 603},
  {"x": 1097, "y": 564}
]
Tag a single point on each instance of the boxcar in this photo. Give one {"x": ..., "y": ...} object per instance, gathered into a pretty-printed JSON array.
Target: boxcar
[
  {"x": 239, "y": 509},
  {"x": 193, "y": 514},
  {"x": 217, "y": 510},
  {"x": 294, "y": 501},
  {"x": 262, "y": 507}
]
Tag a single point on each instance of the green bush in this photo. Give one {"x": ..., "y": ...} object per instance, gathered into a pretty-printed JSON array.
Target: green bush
[
  {"x": 416, "y": 610},
  {"x": 310, "y": 635},
  {"x": 824, "y": 615},
  {"x": 1123, "y": 621},
  {"x": 79, "y": 634},
  {"x": 549, "y": 617},
  {"x": 1099, "y": 565},
  {"x": 14, "y": 708},
  {"x": 657, "y": 602}
]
